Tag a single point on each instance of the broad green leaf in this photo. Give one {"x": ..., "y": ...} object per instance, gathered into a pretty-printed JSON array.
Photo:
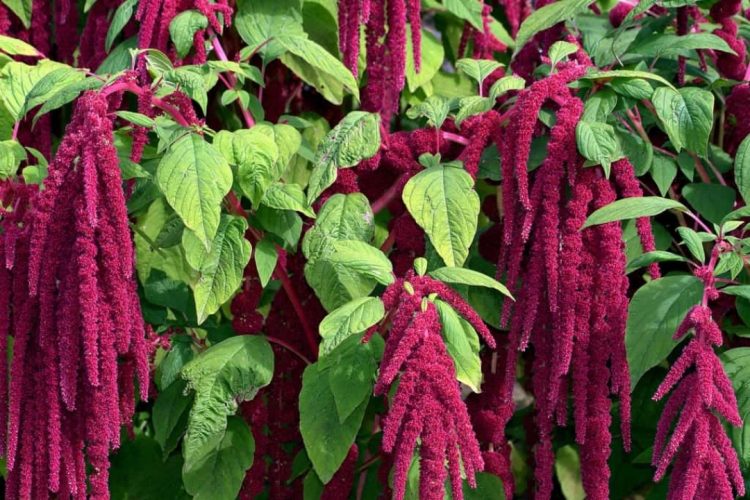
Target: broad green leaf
[
  {"x": 287, "y": 197},
  {"x": 640, "y": 153},
  {"x": 599, "y": 107},
  {"x": 463, "y": 276},
  {"x": 218, "y": 473},
  {"x": 669, "y": 45},
  {"x": 285, "y": 224},
  {"x": 711, "y": 201},
  {"x": 626, "y": 73},
  {"x": 433, "y": 56},
  {"x": 194, "y": 178},
  {"x": 120, "y": 18},
  {"x": 355, "y": 138},
  {"x": 693, "y": 242},
  {"x": 655, "y": 312},
  {"x": 259, "y": 22},
  {"x": 222, "y": 376},
  {"x": 468, "y": 11},
  {"x": 505, "y": 84},
  {"x": 220, "y": 269},
  {"x": 663, "y": 171},
  {"x": 67, "y": 94},
  {"x": 471, "y": 106},
  {"x": 139, "y": 470},
  {"x": 568, "y": 471},
  {"x": 740, "y": 213},
  {"x": 351, "y": 371},
  {"x": 120, "y": 58},
  {"x": 687, "y": 116},
  {"x": 327, "y": 439},
  {"x": 342, "y": 217},
  {"x": 11, "y": 156},
  {"x": 647, "y": 258},
  {"x": 21, "y": 8},
  {"x": 190, "y": 81},
  {"x": 443, "y": 202},
  {"x": 48, "y": 86},
  {"x": 477, "y": 69},
  {"x": 462, "y": 343},
  {"x": 362, "y": 258},
  {"x": 16, "y": 47},
  {"x": 18, "y": 79},
  {"x": 137, "y": 118},
  {"x": 435, "y": 108},
  {"x": 737, "y": 290},
  {"x": 742, "y": 169},
  {"x": 737, "y": 365},
  {"x": 560, "y": 51},
  {"x": 182, "y": 30},
  {"x": 632, "y": 208},
  {"x": 489, "y": 487},
  {"x": 265, "y": 260},
  {"x": 257, "y": 156},
  {"x": 546, "y": 17},
  {"x": 325, "y": 64},
  {"x": 352, "y": 318},
  {"x": 169, "y": 416},
  {"x": 598, "y": 143},
  {"x": 635, "y": 88}
]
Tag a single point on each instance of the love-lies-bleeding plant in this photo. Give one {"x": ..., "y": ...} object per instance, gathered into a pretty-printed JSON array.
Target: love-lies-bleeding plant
[{"x": 374, "y": 249}]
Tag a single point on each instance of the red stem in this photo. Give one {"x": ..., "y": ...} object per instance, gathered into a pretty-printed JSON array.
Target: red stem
[
  {"x": 388, "y": 195},
  {"x": 159, "y": 103},
  {"x": 289, "y": 348},
  {"x": 286, "y": 284},
  {"x": 249, "y": 121}
]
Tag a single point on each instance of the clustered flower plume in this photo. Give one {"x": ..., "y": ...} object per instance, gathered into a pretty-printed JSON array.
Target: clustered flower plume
[
  {"x": 705, "y": 463},
  {"x": 729, "y": 65},
  {"x": 385, "y": 25},
  {"x": 572, "y": 306},
  {"x": 69, "y": 297},
  {"x": 427, "y": 405},
  {"x": 484, "y": 43}
]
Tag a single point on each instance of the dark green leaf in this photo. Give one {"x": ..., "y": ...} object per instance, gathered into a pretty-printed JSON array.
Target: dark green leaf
[
  {"x": 632, "y": 208},
  {"x": 711, "y": 201}
]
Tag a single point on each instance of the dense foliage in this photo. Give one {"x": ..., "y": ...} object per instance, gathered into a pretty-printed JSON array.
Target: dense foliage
[{"x": 374, "y": 248}]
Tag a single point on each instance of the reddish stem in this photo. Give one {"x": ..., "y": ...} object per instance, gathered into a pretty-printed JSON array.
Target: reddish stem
[
  {"x": 231, "y": 79},
  {"x": 449, "y": 136},
  {"x": 388, "y": 195},
  {"x": 286, "y": 284},
  {"x": 159, "y": 103},
  {"x": 289, "y": 348}
]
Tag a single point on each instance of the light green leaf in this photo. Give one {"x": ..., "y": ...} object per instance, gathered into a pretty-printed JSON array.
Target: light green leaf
[
  {"x": 742, "y": 169},
  {"x": 21, "y": 8},
  {"x": 560, "y": 51},
  {"x": 355, "y": 138},
  {"x": 137, "y": 118},
  {"x": 16, "y": 47},
  {"x": 433, "y": 56},
  {"x": 635, "y": 88},
  {"x": 352, "y": 318},
  {"x": 462, "y": 343},
  {"x": 287, "y": 197},
  {"x": 632, "y": 208},
  {"x": 568, "y": 471},
  {"x": 737, "y": 290},
  {"x": 647, "y": 258},
  {"x": 342, "y": 217},
  {"x": 663, "y": 171},
  {"x": 471, "y": 106},
  {"x": 182, "y": 29},
  {"x": 265, "y": 260},
  {"x": 327, "y": 439},
  {"x": 219, "y": 269},
  {"x": 506, "y": 84},
  {"x": 120, "y": 18},
  {"x": 693, "y": 242},
  {"x": 218, "y": 473},
  {"x": 435, "y": 108},
  {"x": 17, "y": 80},
  {"x": 467, "y": 10},
  {"x": 49, "y": 84},
  {"x": 598, "y": 143},
  {"x": 259, "y": 22},
  {"x": 599, "y": 107},
  {"x": 655, "y": 312},
  {"x": 463, "y": 276},
  {"x": 546, "y": 17},
  {"x": 687, "y": 116},
  {"x": 11, "y": 156},
  {"x": 189, "y": 80},
  {"x": 443, "y": 202},
  {"x": 626, "y": 73},
  {"x": 477, "y": 69},
  {"x": 194, "y": 178},
  {"x": 222, "y": 376}
]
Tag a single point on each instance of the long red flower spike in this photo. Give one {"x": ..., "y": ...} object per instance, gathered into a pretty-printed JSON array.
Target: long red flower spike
[
  {"x": 427, "y": 405},
  {"x": 79, "y": 337}
]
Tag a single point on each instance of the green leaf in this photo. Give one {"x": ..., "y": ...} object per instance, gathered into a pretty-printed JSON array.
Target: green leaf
[
  {"x": 471, "y": 106},
  {"x": 194, "y": 178},
  {"x": 546, "y": 17},
  {"x": 16, "y": 47},
  {"x": 259, "y": 22},
  {"x": 22, "y": 9},
  {"x": 663, "y": 171},
  {"x": 489, "y": 487},
  {"x": 711, "y": 201},
  {"x": 265, "y": 260},
  {"x": 435, "y": 108},
  {"x": 687, "y": 116},
  {"x": 327, "y": 439},
  {"x": 355, "y": 138},
  {"x": 655, "y": 312},
  {"x": 737, "y": 365},
  {"x": 742, "y": 169},
  {"x": 468, "y": 11},
  {"x": 169, "y": 416},
  {"x": 635, "y": 88},
  {"x": 225, "y": 374},
  {"x": 48, "y": 85},
  {"x": 598, "y": 143},
  {"x": 433, "y": 56},
  {"x": 137, "y": 118},
  {"x": 462, "y": 343},
  {"x": 561, "y": 50},
  {"x": 342, "y": 217},
  {"x": 191, "y": 82},
  {"x": 670, "y": 45},
  {"x": 325, "y": 64},
  {"x": 477, "y": 69},
  {"x": 220, "y": 269},
  {"x": 463, "y": 276},
  {"x": 17, "y": 80},
  {"x": 182, "y": 29},
  {"x": 568, "y": 471},
  {"x": 506, "y": 84},
  {"x": 257, "y": 157},
  {"x": 599, "y": 107},
  {"x": 218, "y": 473},
  {"x": 11, "y": 156},
  {"x": 120, "y": 18},
  {"x": 693, "y": 242},
  {"x": 647, "y": 258},
  {"x": 287, "y": 197},
  {"x": 737, "y": 290},
  {"x": 632, "y": 208},
  {"x": 350, "y": 319},
  {"x": 138, "y": 470},
  {"x": 443, "y": 202},
  {"x": 625, "y": 73}
]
